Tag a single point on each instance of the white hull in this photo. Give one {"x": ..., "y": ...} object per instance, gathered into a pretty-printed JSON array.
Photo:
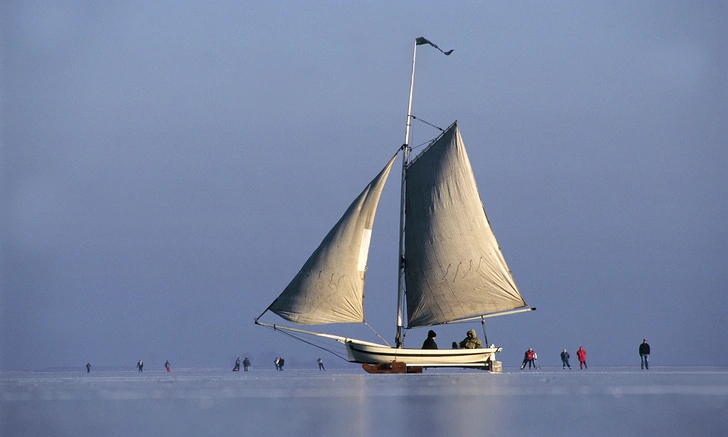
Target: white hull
[{"x": 370, "y": 353}]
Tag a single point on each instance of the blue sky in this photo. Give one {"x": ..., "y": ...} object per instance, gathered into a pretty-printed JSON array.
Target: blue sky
[{"x": 167, "y": 168}]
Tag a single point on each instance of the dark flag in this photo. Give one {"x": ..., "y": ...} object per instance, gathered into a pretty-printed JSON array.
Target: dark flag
[{"x": 422, "y": 40}]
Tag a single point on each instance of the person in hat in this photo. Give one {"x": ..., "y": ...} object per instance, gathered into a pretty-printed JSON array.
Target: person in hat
[
  {"x": 644, "y": 355},
  {"x": 471, "y": 341},
  {"x": 430, "y": 342},
  {"x": 581, "y": 355}
]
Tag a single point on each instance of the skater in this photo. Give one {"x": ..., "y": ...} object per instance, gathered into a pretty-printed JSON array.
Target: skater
[
  {"x": 565, "y": 360},
  {"x": 88, "y": 367},
  {"x": 644, "y": 355},
  {"x": 581, "y": 355},
  {"x": 430, "y": 341},
  {"x": 246, "y": 364},
  {"x": 471, "y": 341},
  {"x": 281, "y": 361},
  {"x": 277, "y": 363},
  {"x": 528, "y": 359},
  {"x": 140, "y": 365},
  {"x": 321, "y": 364},
  {"x": 166, "y": 365},
  {"x": 535, "y": 361},
  {"x": 237, "y": 365}
]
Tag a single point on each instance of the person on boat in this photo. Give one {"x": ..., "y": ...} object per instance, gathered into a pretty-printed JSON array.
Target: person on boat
[
  {"x": 166, "y": 366},
  {"x": 140, "y": 365},
  {"x": 644, "y": 355},
  {"x": 471, "y": 341},
  {"x": 565, "y": 360},
  {"x": 528, "y": 358},
  {"x": 581, "y": 355},
  {"x": 430, "y": 342},
  {"x": 88, "y": 367},
  {"x": 281, "y": 361},
  {"x": 237, "y": 365},
  {"x": 455, "y": 345},
  {"x": 246, "y": 364},
  {"x": 321, "y": 364}
]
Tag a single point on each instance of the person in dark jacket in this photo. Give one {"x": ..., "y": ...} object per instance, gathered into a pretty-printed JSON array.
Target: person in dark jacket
[
  {"x": 565, "y": 360},
  {"x": 88, "y": 367},
  {"x": 140, "y": 365},
  {"x": 644, "y": 354},
  {"x": 430, "y": 342},
  {"x": 281, "y": 362},
  {"x": 246, "y": 364}
]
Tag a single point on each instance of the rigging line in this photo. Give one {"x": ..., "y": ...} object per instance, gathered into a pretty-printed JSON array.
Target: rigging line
[
  {"x": 312, "y": 344},
  {"x": 375, "y": 332},
  {"x": 426, "y": 143},
  {"x": 429, "y": 124}
]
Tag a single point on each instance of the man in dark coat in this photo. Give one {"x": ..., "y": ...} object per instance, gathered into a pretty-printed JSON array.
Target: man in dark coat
[
  {"x": 430, "y": 342},
  {"x": 565, "y": 359},
  {"x": 644, "y": 354}
]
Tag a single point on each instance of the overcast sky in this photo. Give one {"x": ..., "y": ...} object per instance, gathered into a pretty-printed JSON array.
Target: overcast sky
[{"x": 167, "y": 168}]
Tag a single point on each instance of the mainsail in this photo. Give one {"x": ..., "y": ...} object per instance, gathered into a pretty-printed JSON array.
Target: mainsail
[
  {"x": 329, "y": 288},
  {"x": 454, "y": 268}
]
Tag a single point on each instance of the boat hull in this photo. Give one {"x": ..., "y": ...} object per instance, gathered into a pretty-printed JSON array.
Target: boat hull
[{"x": 368, "y": 353}]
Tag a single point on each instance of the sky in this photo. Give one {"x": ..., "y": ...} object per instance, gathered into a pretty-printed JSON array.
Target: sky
[{"x": 167, "y": 168}]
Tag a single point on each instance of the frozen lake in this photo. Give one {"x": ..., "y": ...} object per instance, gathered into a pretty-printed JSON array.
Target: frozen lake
[{"x": 611, "y": 401}]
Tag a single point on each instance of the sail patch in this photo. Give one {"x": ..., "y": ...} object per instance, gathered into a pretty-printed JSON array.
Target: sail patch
[{"x": 366, "y": 237}]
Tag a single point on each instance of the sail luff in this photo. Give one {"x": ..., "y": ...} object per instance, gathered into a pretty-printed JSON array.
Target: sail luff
[
  {"x": 454, "y": 266},
  {"x": 329, "y": 288}
]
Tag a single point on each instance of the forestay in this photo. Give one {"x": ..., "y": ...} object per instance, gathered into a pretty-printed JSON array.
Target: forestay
[
  {"x": 454, "y": 268},
  {"x": 329, "y": 288}
]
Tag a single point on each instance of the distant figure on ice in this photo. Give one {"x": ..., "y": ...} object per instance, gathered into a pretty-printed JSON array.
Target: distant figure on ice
[
  {"x": 565, "y": 360},
  {"x": 430, "y": 341},
  {"x": 246, "y": 364},
  {"x": 535, "y": 361},
  {"x": 88, "y": 367},
  {"x": 644, "y": 355},
  {"x": 321, "y": 364},
  {"x": 140, "y": 365},
  {"x": 581, "y": 355},
  {"x": 277, "y": 361},
  {"x": 166, "y": 366},
  {"x": 281, "y": 361},
  {"x": 528, "y": 359},
  {"x": 471, "y": 341},
  {"x": 237, "y": 365}
]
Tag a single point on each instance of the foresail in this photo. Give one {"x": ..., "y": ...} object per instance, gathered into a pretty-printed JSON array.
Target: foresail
[
  {"x": 454, "y": 266},
  {"x": 329, "y": 288}
]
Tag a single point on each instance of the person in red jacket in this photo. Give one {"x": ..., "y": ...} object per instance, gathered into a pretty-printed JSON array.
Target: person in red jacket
[
  {"x": 581, "y": 355},
  {"x": 528, "y": 359}
]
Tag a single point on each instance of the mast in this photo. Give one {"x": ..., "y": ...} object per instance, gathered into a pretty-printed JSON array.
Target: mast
[{"x": 405, "y": 156}]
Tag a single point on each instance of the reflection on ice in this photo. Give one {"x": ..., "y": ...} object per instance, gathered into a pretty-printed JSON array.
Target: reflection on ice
[{"x": 608, "y": 401}]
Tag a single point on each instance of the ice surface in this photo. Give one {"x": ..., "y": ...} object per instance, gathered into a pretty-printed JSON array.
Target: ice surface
[{"x": 664, "y": 401}]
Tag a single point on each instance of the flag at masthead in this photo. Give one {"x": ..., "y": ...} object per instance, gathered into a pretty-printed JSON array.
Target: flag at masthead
[{"x": 422, "y": 40}]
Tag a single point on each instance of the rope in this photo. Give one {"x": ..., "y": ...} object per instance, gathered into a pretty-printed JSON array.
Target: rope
[
  {"x": 429, "y": 124},
  {"x": 375, "y": 332},
  {"x": 310, "y": 343}
]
